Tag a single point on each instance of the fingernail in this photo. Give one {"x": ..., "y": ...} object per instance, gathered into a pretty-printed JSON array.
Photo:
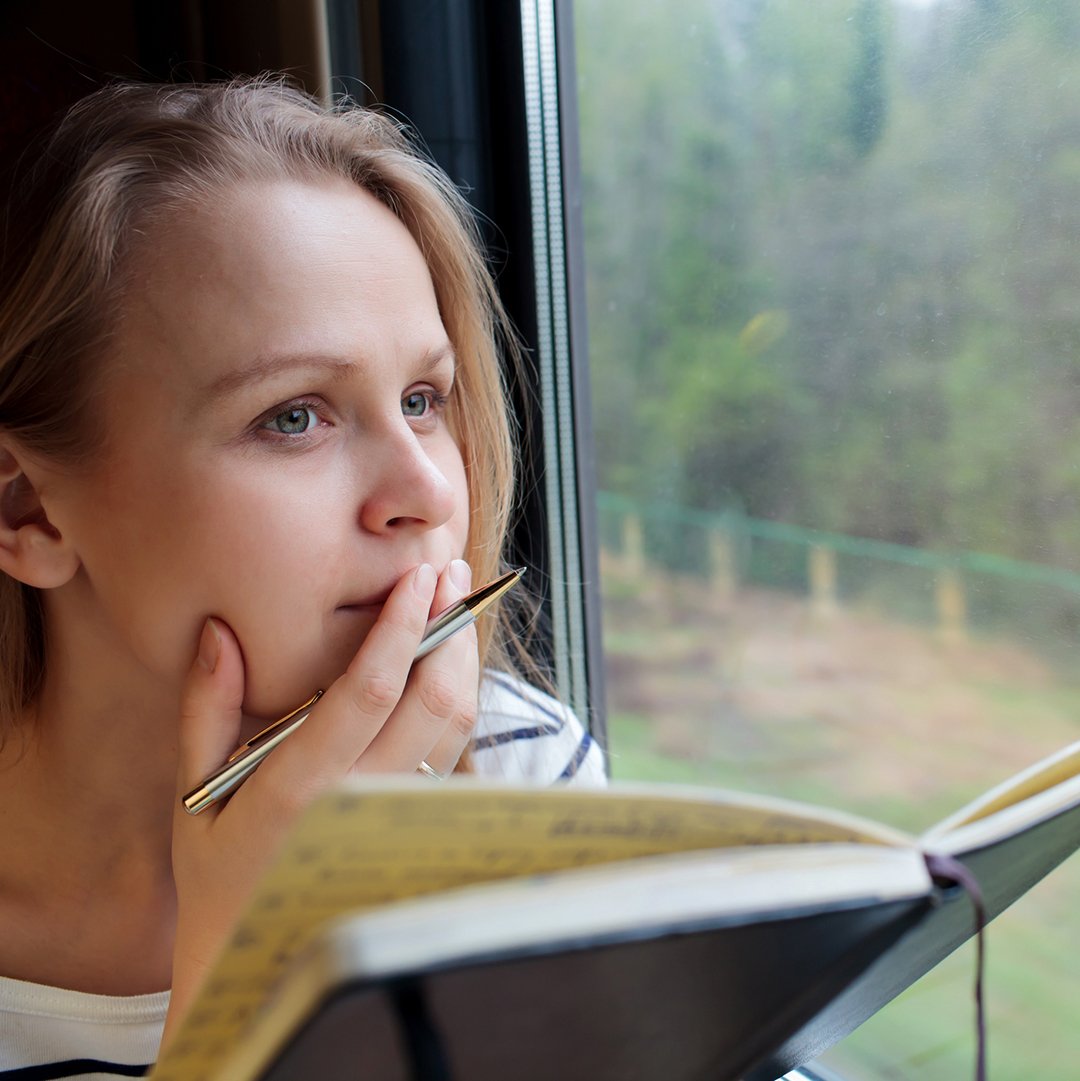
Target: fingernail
[
  {"x": 424, "y": 581},
  {"x": 461, "y": 575},
  {"x": 209, "y": 645}
]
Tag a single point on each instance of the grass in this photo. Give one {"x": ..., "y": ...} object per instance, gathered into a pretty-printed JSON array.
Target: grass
[
  {"x": 886, "y": 721},
  {"x": 1032, "y": 988}
]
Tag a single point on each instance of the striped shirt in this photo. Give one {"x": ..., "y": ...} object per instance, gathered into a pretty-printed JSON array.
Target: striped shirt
[
  {"x": 523, "y": 734},
  {"x": 47, "y": 1033}
]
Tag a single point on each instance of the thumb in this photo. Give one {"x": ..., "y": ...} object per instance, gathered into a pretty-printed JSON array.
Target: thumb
[{"x": 210, "y": 704}]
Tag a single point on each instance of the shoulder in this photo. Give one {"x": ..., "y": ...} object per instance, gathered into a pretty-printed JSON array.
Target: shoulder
[{"x": 523, "y": 734}]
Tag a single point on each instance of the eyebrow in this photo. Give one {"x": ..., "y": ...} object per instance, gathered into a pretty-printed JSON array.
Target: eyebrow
[{"x": 263, "y": 367}]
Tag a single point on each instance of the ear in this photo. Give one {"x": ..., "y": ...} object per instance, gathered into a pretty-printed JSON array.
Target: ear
[{"x": 32, "y": 549}]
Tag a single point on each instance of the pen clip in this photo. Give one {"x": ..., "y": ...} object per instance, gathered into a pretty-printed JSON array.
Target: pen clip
[{"x": 271, "y": 728}]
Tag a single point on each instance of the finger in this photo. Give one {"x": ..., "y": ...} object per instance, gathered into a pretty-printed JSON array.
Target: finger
[
  {"x": 453, "y": 584},
  {"x": 457, "y": 730},
  {"x": 436, "y": 715},
  {"x": 357, "y": 705},
  {"x": 210, "y": 704},
  {"x": 461, "y": 661}
]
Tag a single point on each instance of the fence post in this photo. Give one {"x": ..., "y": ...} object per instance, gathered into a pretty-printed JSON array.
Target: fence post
[
  {"x": 951, "y": 605},
  {"x": 633, "y": 543},
  {"x": 723, "y": 567},
  {"x": 822, "y": 573}
]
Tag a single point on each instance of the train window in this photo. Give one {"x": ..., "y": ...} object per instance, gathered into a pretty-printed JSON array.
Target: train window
[{"x": 833, "y": 283}]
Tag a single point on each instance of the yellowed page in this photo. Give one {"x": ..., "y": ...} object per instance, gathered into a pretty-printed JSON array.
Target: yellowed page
[
  {"x": 1052, "y": 771},
  {"x": 383, "y": 841}
]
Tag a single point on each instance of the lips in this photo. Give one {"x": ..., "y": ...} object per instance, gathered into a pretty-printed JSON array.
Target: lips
[{"x": 374, "y": 601}]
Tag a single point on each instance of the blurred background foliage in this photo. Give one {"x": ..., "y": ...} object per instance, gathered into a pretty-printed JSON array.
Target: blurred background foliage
[{"x": 834, "y": 263}]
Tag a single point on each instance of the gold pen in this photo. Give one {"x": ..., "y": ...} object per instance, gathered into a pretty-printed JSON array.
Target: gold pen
[{"x": 247, "y": 756}]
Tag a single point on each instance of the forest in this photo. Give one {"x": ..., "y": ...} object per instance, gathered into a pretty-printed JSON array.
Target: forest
[{"x": 833, "y": 263}]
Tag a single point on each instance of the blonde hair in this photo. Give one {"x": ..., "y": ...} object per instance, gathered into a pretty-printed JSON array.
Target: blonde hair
[{"x": 131, "y": 155}]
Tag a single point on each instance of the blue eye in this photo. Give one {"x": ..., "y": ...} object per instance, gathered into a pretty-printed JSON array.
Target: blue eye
[
  {"x": 295, "y": 420},
  {"x": 415, "y": 404}
]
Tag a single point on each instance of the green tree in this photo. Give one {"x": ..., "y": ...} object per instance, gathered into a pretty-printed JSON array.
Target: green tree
[{"x": 869, "y": 98}]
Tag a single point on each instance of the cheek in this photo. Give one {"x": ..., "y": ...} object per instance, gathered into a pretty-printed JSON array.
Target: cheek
[
  {"x": 276, "y": 591},
  {"x": 272, "y": 561},
  {"x": 178, "y": 551}
]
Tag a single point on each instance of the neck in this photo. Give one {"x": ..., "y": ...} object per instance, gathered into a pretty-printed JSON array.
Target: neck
[
  {"x": 104, "y": 735},
  {"x": 91, "y": 784},
  {"x": 107, "y": 766}
]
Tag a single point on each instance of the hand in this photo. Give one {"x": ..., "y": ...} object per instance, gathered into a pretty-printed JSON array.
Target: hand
[{"x": 384, "y": 715}]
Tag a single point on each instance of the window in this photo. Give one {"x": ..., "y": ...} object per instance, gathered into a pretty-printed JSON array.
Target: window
[{"x": 833, "y": 287}]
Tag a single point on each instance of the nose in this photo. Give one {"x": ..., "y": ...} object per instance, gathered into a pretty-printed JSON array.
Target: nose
[{"x": 409, "y": 488}]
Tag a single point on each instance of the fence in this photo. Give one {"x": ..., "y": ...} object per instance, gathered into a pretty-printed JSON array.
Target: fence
[{"x": 955, "y": 591}]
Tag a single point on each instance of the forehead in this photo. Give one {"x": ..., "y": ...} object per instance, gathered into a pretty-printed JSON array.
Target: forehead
[{"x": 283, "y": 266}]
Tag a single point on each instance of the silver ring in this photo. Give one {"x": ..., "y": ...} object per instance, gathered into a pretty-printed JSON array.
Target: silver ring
[{"x": 427, "y": 771}]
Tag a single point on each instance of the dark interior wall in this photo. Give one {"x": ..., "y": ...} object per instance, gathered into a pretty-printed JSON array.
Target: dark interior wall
[
  {"x": 51, "y": 54},
  {"x": 54, "y": 51}
]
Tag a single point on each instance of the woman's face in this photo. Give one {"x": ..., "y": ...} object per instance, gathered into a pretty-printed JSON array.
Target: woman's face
[{"x": 277, "y": 452}]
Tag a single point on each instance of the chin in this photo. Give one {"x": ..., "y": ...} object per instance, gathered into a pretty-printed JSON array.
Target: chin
[{"x": 269, "y": 699}]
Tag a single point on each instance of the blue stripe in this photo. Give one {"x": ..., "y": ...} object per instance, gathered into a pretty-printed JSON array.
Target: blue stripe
[
  {"x": 579, "y": 756},
  {"x": 75, "y": 1067},
  {"x": 514, "y": 688},
  {"x": 483, "y": 743}
]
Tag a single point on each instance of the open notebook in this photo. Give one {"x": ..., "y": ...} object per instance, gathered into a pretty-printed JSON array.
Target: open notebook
[{"x": 467, "y": 930}]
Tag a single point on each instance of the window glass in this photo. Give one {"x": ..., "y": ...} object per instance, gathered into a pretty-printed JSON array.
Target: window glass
[{"x": 833, "y": 280}]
